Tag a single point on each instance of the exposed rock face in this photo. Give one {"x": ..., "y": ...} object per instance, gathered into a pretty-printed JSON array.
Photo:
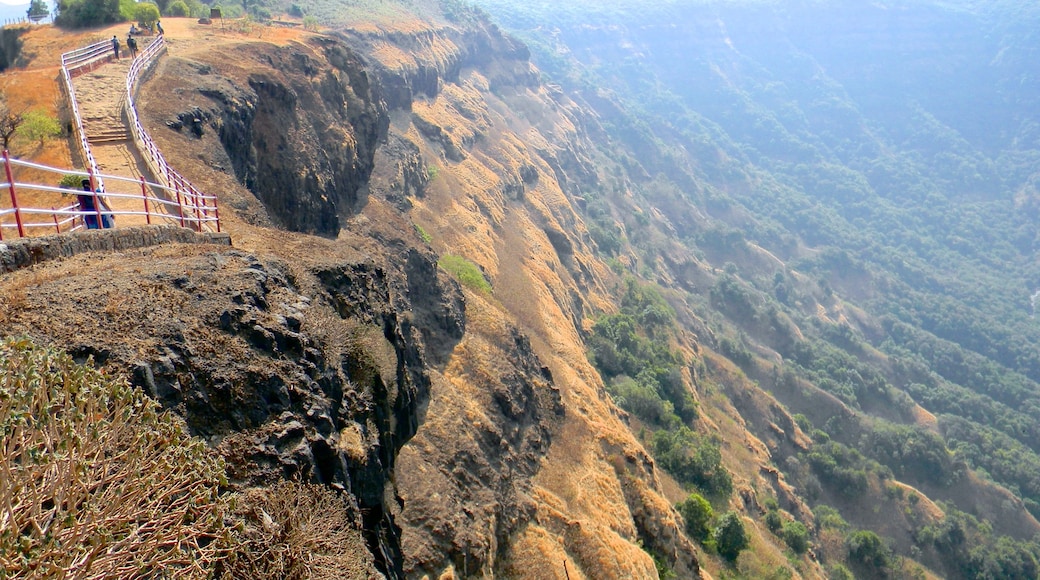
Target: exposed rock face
[
  {"x": 511, "y": 471},
  {"x": 317, "y": 373},
  {"x": 481, "y": 444},
  {"x": 300, "y": 126}
]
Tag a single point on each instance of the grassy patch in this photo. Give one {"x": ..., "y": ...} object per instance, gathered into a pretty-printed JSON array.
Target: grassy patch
[{"x": 466, "y": 272}]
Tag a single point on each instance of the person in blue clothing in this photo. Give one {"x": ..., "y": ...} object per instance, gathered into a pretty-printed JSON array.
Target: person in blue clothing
[{"x": 87, "y": 203}]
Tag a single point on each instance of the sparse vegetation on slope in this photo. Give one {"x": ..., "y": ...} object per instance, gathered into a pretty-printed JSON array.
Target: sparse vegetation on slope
[{"x": 97, "y": 481}]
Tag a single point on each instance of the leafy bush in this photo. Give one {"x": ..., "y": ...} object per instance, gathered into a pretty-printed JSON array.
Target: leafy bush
[
  {"x": 828, "y": 517},
  {"x": 697, "y": 513},
  {"x": 796, "y": 536},
  {"x": 773, "y": 521},
  {"x": 38, "y": 9},
  {"x": 98, "y": 482},
  {"x": 643, "y": 401},
  {"x": 71, "y": 181},
  {"x": 310, "y": 22},
  {"x": 37, "y": 125},
  {"x": 633, "y": 344},
  {"x": 693, "y": 459},
  {"x": 466, "y": 272},
  {"x": 841, "y": 466},
  {"x": 730, "y": 536},
  {"x": 86, "y": 13},
  {"x": 178, "y": 8},
  {"x": 146, "y": 14},
  {"x": 423, "y": 235},
  {"x": 866, "y": 547}
]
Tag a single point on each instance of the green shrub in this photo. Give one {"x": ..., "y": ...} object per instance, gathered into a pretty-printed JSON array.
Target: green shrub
[
  {"x": 425, "y": 237},
  {"x": 796, "y": 536},
  {"x": 178, "y": 8},
  {"x": 466, "y": 272},
  {"x": 773, "y": 521},
  {"x": 697, "y": 513},
  {"x": 828, "y": 517},
  {"x": 310, "y": 22},
  {"x": 730, "y": 536},
  {"x": 693, "y": 459},
  {"x": 126, "y": 10},
  {"x": 85, "y": 13},
  {"x": 37, "y": 125},
  {"x": 71, "y": 181},
  {"x": 866, "y": 547},
  {"x": 146, "y": 14}
]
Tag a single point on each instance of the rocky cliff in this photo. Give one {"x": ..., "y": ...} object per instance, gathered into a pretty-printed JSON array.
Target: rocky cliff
[
  {"x": 517, "y": 459},
  {"x": 466, "y": 426}
]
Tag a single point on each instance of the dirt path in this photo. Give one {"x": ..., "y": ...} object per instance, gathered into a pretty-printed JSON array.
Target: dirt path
[{"x": 101, "y": 96}]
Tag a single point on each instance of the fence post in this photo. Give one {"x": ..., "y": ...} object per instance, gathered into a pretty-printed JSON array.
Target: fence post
[
  {"x": 144, "y": 194},
  {"x": 196, "y": 194},
  {"x": 97, "y": 199},
  {"x": 57, "y": 227},
  {"x": 180, "y": 206},
  {"x": 14, "y": 198}
]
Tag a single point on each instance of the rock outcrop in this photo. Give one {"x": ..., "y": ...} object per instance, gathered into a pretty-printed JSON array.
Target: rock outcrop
[{"x": 299, "y": 125}]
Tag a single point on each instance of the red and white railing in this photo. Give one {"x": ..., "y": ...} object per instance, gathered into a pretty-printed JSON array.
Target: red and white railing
[
  {"x": 195, "y": 199},
  {"x": 158, "y": 204},
  {"x": 76, "y": 62},
  {"x": 177, "y": 198},
  {"x": 86, "y": 59}
]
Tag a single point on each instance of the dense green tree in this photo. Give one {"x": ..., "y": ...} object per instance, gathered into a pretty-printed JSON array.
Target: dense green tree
[
  {"x": 38, "y": 9},
  {"x": 796, "y": 536},
  {"x": 38, "y": 125},
  {"x": 697, "y": 513},
  {"x": 730, "y": 536},
  {"x": 146, "y": 14},
  {"x": 867, "y": 548},
  {"x": 86, "y": 13}
]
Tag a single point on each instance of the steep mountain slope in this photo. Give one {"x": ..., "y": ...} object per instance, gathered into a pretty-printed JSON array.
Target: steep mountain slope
[
  {"x": 863, "y": 174},
  {"x": 763, "y": 284},
  {"x": 318, "y": 358}
]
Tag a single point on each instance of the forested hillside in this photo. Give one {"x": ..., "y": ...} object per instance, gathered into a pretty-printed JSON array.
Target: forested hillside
[{"x": 860, "y": 181}]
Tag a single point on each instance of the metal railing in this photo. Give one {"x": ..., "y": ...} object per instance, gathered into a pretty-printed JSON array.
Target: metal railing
[
  {"x": 153, "y": 156},
  {"x": 167, "y": 206},
  {"x": 77, "y": 60},
  {"x": 173, "y": 199}
]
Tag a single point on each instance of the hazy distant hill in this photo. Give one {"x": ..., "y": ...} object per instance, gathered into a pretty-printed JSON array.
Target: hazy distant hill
[{"x": 890, "y": 151}]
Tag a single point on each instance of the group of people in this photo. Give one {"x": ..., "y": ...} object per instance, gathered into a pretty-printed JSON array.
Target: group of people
[
  {"x": 131, "y": 45},
  {"x": 96, "y": 213},
  {"x": 131, "y": 42}
]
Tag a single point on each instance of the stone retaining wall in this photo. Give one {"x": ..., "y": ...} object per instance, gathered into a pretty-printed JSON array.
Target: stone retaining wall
[{"x": 16, "y": 254}]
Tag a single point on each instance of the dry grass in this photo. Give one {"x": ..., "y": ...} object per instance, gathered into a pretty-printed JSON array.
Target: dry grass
[
  {"x": 294, "y": 530},
  {"x": 97, "y": 482}
]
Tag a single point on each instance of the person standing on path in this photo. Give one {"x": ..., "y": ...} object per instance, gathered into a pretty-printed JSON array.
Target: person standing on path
[
  {"x": 115, "y": 46},
  {"x": 131, "y": 45},
  {"x": 158, "y": 26}
]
